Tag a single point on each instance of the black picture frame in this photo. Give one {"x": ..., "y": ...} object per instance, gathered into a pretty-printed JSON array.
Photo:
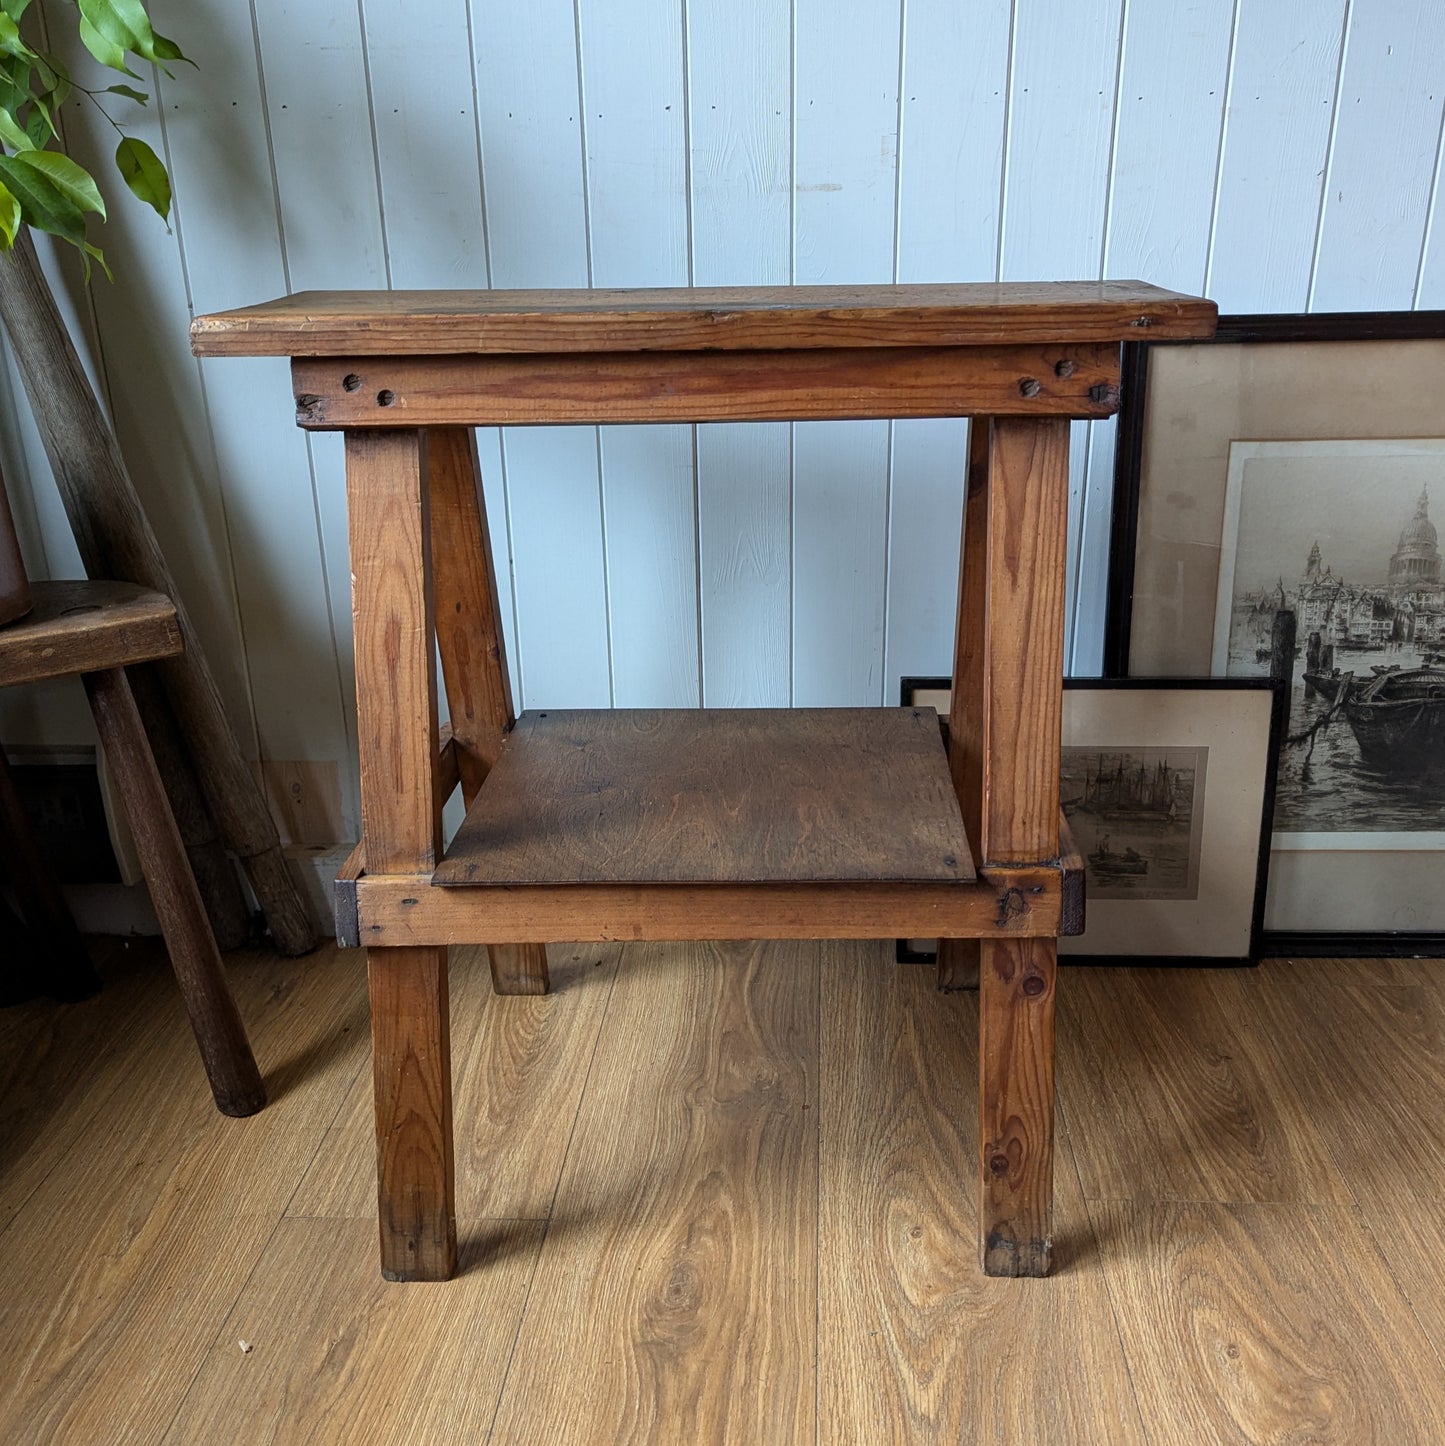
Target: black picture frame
[
  {"x": 1342, "y": 327},
  {"x": 911, "y": 687}
]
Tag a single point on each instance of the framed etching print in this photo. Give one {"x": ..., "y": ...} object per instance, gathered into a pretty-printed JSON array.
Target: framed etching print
[
  {"x": 1276, "y": 508},
  {"x": 1167, "y": 787}
]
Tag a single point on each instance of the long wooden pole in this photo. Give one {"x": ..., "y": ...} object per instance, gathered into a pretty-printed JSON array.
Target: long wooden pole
[{"x": 116, "y": 541}]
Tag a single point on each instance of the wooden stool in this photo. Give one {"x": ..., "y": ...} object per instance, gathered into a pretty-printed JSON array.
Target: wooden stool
[
  {"x": 98, "y": 629},
  {"x": 837, "y": 823}
]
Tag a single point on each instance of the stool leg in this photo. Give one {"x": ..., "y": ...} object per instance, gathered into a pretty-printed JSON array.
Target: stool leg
[
  {"x": 472, "y": 648},
  {"x": 225, "y": 1051},
  {"x": 396, "y": 715},
  {"x": 68, "y": 974}
]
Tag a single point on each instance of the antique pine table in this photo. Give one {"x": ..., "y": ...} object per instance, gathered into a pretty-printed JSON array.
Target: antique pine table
[{"x": 698, "y": 824}]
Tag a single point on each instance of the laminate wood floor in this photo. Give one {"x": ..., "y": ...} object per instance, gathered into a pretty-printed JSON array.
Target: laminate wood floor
[{"x": 720, "y": 1193}]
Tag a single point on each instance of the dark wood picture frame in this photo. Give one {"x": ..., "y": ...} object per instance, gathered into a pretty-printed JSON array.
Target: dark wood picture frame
[
  {"x": 911, "y": 687},
  {"x": 1342, "y": 327}
]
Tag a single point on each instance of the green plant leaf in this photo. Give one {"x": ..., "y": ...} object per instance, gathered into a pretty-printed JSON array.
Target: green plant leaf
[
  {"x": 99, "y": 256},
  {"x": 42, "y": 203},
  {"x": 9, "y": 217},
  {"x": 14, "y": 83},
  {"x": 73, "y": 181},
  {"x": 15, "y": 8},
  {"x": 39, "y": 128},
  {"x": 117, "y": 26},
  {"x": 105, "y": 50},
  {"x": 10, "y": 41},
  {"x": 51, "y": 72},
  {"x": 59, "y": 90},
  {"x": 139, "y": 96},
  {"x": 143, "y": 172},
  {"x": 11, "y": 132}
]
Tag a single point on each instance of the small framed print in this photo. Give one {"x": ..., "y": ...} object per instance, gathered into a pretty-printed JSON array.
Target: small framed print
[
  {"x": 1276, "y": 502},
  {"x": 1168, "y": 786}
]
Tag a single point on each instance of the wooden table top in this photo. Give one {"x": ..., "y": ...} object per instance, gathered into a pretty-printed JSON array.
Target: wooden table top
[{"x": 440, "y": 323}]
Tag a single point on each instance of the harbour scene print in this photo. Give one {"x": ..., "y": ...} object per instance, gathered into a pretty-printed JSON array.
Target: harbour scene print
[
  {"x": 1336, "y": 585},
  {"x": 1137, "y": 815}
]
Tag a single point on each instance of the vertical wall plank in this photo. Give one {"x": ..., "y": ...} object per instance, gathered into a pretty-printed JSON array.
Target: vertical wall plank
[
  {"x": 845, "y": 149},
  {"x": 635, "y": 125},
  {"x": 745, "y": 543},
  {"x": 925, "y": 514},
  {"x": 46, "y": 540},
  {"x": 1276, "y": 136},
  {"x": 1382, "y": 163},
  {"x": 740, "y": 108},
  {"x": 226, "y": 221},
  {"x": 536, "y": 205},
  {"x": 319, "y": 118},
  {"x": 145, "y": 359},
  {"x": 419, "y": 58},
  {"x": 1172, "y": 84},
  {"x": 52, "y": 713},
  {"x": 950, "y": 163},
  {"x": 1061, "y": 112},
  {"x": 1430, "y": 289}
]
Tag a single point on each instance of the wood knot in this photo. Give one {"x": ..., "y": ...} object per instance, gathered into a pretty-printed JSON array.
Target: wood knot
[
  {"x": 998, "y": 1164},
  {"x": 1033, "y": 986},
  {"x": 1011, "y": 904}
]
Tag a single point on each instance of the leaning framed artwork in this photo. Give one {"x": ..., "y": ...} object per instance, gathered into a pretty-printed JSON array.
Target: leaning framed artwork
[
  {"x": 1273, "y": 516},
  {"x": 1168, "y": 786}
]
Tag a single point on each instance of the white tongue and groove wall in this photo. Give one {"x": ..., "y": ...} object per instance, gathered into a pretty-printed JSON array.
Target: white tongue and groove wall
[{"x": 1277, "y": 155}]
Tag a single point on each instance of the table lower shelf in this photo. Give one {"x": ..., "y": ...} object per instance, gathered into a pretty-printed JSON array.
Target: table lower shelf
[
  {"x": 687, "y": 824},
  {"x": 715, "y": 796},
  {"x": 403, "y": 910}
]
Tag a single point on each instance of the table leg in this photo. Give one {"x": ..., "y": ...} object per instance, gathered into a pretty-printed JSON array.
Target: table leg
[
  {"x": 958, "y": 958},
  {"x": 1027, "y": 471},
  {"x": 396, "y": 709},
  {"x": 473, "y": 649}
]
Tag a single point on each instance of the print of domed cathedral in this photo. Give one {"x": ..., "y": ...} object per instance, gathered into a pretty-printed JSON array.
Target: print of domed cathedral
[{"x": 1408, "y": 608}]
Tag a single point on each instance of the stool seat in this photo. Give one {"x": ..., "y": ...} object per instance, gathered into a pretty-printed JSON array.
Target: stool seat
[
  {"x": 96, "y": 629},
  {"x": 82, "y": 627}
]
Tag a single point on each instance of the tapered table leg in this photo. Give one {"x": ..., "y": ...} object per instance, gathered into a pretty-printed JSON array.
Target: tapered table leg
[
  {"x": 401, "y": 834},
  {"x": 958, "y": 958},
  {"x": 473, "y": 649},
  {"x": 1009, "y": 741}
]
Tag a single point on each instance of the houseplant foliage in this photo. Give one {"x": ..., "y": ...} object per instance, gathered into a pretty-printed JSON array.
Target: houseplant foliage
[{"x": 40, "y": 185}]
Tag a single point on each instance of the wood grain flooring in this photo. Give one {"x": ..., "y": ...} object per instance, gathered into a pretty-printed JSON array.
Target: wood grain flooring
[{"x": 725, "y": 1193}]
